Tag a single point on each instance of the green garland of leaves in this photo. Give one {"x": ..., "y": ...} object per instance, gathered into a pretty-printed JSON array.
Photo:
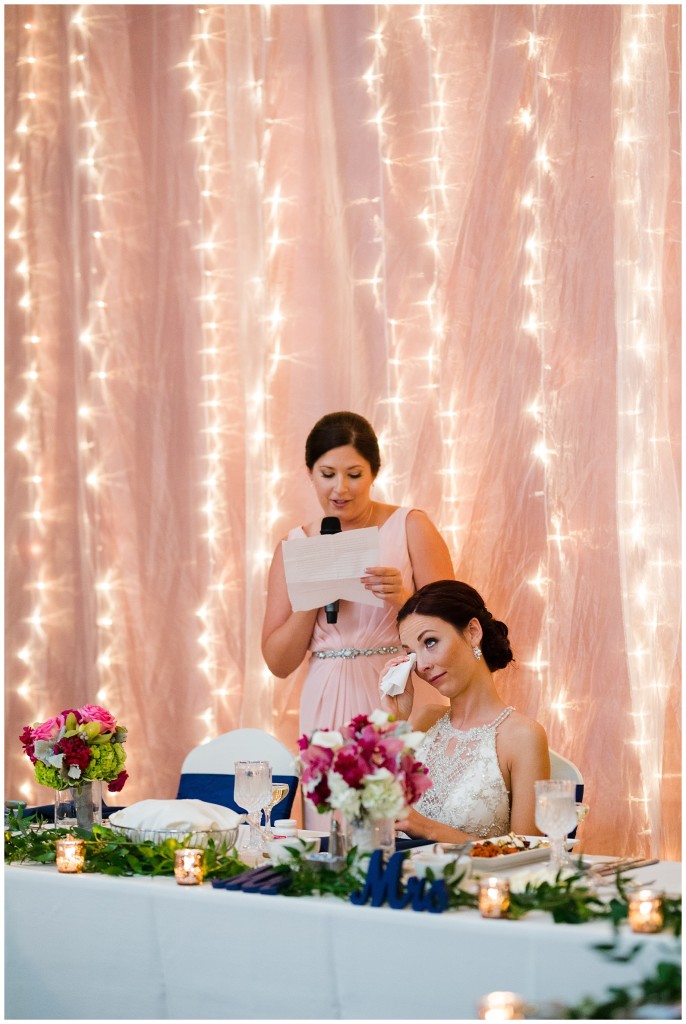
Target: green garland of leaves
[
  {"x": 110, "y": 854},
  {"x": 662, "y": 988}
]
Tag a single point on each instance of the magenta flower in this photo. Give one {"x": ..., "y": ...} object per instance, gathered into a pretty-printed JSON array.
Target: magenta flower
[
  {"x": 316, "y": 762},
  {"x": 352, "y": 766},
  {"x": 320, "y": 794},
  {"x": 116, "y": 785},
  {"x": 358, "y": 723},
  {"x": 27, "y": 738},
  {"x": 417, "y": 779},
  {"x": 75, "y": 751}
]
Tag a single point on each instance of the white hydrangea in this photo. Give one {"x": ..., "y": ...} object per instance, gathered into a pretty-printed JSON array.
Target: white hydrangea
[
  {"x": 343, "y": 797},
  {"x": 413, "y": 739},
  {"x": 331, "y": 739},
  {"x": 382, "y": 796},
  {"x": 379, "y": 717}
]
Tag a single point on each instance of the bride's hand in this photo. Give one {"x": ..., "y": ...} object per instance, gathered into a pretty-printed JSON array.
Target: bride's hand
[
  {"x": 416, "y": 825},
  {"x": 401, "y": 705}
]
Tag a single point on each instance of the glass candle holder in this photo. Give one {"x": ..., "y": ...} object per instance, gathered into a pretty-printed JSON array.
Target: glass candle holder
[
  {"x": 645, "y": 911},
  {"x": 70, "y": 855},
  {"x": 501, "y": 1006},
  {"x": 494, "y": 897},
  {"x": 189, "y": 867}
]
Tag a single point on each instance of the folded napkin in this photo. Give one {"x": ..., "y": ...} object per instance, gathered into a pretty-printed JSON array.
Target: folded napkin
[
  {"x": 177, "y": 816},
  {"x": 394, "y": 681}
]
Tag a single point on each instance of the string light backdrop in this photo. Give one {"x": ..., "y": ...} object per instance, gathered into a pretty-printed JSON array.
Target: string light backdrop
[{"x": 462, "y": 222}]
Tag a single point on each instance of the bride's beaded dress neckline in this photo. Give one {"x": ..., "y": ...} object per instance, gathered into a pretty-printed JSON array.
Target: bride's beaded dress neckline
[{"x": 468, "y": 789}]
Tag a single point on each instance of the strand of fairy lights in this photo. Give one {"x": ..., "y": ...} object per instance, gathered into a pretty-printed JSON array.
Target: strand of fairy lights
[
  {"x": 644, "y": 563},
  {"x": 209, "y": 252},
  {"x": 32, "y": 649},
  {"x": 536, "y": 326},
  {"x": 269, "y": 298},
  {"x": 205, "y": 87},
  {"x": 373, "y": 80},
  {"x": 94, "y": 343},
  {"x": 432, "y": 217}
]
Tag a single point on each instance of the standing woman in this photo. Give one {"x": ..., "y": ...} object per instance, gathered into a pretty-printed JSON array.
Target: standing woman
[{"x": 342, "y": 457}]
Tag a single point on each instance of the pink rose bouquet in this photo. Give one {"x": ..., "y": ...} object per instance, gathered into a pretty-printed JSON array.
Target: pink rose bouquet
[
  {"x": 367, "y": 769},
  {"x": 78, "y": 745}
]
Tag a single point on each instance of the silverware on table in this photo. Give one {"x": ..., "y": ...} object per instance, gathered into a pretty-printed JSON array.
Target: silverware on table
[{"x": 620, "y": 864}]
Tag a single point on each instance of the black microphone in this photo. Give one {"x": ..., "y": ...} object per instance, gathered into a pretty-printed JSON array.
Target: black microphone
[{"x": 331, "y": 524}]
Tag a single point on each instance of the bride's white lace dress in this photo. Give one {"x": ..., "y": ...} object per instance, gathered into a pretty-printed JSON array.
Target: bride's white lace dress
[{"x": 468, "y": 789}]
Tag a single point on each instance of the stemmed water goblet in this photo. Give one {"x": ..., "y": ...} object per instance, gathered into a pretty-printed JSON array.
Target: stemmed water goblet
[
  {"x": 278, "y": 792},
  {"x": 252, "y": 790},
  {"x": 556, "y": 816}
]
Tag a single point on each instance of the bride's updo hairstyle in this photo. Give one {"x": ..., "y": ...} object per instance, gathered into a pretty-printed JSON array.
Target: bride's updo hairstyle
[
  {"x": 337, "y": 429},
  {"x": 457, "y": 603}
]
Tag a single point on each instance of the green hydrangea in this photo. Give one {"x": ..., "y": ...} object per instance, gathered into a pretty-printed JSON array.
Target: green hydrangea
[
  {"x": 106, "y": 762},
  {"x": 48, "y": 776}
]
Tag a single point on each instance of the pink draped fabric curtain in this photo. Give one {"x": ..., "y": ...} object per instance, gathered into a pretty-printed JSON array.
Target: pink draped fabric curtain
[{"x": 461, "y": 221}]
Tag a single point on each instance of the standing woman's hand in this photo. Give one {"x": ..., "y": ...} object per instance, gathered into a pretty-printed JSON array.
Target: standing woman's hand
[
  {"x": 401, "y": 705},
  {"x": 386, "y": 582}
]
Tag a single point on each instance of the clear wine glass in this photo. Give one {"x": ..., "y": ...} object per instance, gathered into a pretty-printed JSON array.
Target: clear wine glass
[
  {"x": 252, "y": 790},
  {"x": 581, "y": 811},
  {"x": 556, "y": 816},
  {"x": 279, "y": 790}
]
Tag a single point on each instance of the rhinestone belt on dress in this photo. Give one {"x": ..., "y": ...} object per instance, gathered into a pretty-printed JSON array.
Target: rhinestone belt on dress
[{"x": 354, "y": 652}]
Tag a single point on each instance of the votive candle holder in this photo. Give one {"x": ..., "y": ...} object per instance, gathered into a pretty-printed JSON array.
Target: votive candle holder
[
  {"x": 70, "y": 855},
  {"x": 494, "y": 897},
  {"x": 501, "y": 1006},
  {"x": 189, "y": 866},
  {"x": 646, "y": 913}
]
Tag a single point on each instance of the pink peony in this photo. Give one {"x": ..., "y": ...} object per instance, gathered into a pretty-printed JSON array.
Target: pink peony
[
  {"x": 48, "y": 730},
  {"x": 94, "y": 713}
]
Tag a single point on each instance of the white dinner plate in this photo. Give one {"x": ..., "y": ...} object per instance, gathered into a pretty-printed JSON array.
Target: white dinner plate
[
  {"x": 539, "y": 850},
  {"x": 311, "y": 833}
]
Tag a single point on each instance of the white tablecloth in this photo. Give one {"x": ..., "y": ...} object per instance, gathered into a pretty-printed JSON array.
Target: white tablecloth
[{"x": 92, "y": 946}]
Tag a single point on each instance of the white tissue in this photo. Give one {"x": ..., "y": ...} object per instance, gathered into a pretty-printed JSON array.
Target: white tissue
[
  {"x": 394, "y": 681},
  {"x": 177, "y": 815}
]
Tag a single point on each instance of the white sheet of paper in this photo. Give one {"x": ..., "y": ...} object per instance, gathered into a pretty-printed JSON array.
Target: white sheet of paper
[{"x": 328, "y": 567}]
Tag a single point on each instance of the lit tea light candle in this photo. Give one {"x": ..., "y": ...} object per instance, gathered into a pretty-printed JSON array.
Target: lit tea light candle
[
  {"x": 501, "y": 1006},
  {"x": 189, "y": 866},
  {"x": 70, "y": 854},
  {"x": 645, "y": 911},
  {"x": 494, "y": 897}
]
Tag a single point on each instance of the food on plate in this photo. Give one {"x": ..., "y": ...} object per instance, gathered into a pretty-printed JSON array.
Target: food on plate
[{"x": 501, "y": 846}]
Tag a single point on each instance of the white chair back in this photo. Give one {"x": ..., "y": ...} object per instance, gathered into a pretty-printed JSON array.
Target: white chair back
[
  {"x": 218, "y": 755},
  {"x": 561, "y": 768}
]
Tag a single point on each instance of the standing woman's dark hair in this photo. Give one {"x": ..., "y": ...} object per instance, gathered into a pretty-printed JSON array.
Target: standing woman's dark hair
[
  {"x": 458, "y": 603},
  {"x": 338, "y": 429}
]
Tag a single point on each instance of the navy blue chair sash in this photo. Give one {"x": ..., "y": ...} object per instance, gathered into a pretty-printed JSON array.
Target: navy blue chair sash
[{"x": 218, "y": 789}]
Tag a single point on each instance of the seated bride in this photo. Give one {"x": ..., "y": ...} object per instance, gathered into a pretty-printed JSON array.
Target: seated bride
[{"x": 483, "y": 756}]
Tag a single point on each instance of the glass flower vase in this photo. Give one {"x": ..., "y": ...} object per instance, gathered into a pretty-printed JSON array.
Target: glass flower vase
[
  {"x": 368, "y": 835},
  {"x": 79, "y": 806}
]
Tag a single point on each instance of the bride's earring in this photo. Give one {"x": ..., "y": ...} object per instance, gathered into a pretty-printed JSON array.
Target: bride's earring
[{"x": 477, "y": 652}]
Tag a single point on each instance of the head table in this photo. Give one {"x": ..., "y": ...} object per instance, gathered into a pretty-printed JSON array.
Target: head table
[{"x": 93, "y": 946}]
